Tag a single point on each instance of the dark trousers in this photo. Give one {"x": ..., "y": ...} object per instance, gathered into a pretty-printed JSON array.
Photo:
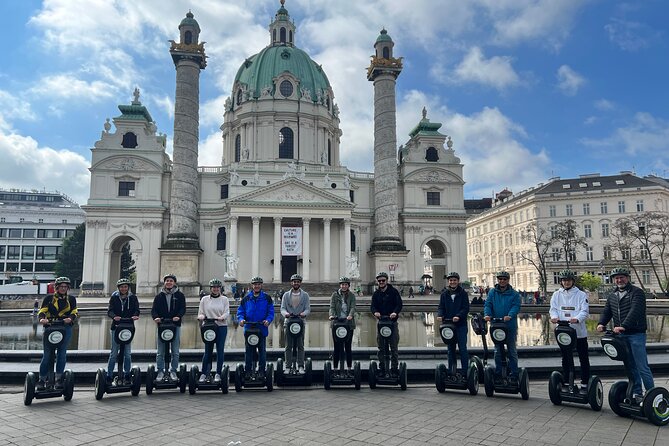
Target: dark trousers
[
  {"x": 583, "y": 358},
  {"x": 339, "y": 346},
  {"x": 384, "y": 346}
]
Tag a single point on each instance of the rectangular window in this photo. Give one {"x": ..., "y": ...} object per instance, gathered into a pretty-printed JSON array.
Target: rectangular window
[
  {"x": 13, "y": 252},
  {"x": 555, "y": 254},
  {"x": 26, "y": 267},
  {"x": 28, "y": 253},
  {"x": 3, "y": 250},
  {"x": 14, "y": 233},
  {"x": 434, "y": 198},
  {"x": 28, "y": 233},
  {"x": 44, "y": 267},
  {"x": 3, "y": 233},
  {"x": 587, "y": 231},
  {"x": 586, "y": 208},
  {"x": 11, "y": 267},
  {"x": 604, "y": 207},
  {"x": 553, "y": 231},
  {"x": 551, "y": 210},
  {"x": 607, "y": 253},
  {"x": 639, "y": 205},
  {"x": 589, "y": 255},
  {"x": 556, "y": 278},
  {"x": 626, "y": 253},
  {"x": 572, "y": 256},
  {"x": 47, "y": 252},
  {"x": 621, "y": 207},
  {"x": 605, "y": 229},
  {"x": 569, "y": 210},
  {"x": 645, "y": 277},
  {"x": 643, "y": 253},
  {"x": 126, "y": 188},
  {"x": 351, "y": 196},
  {"x": 224, "y": 191}
]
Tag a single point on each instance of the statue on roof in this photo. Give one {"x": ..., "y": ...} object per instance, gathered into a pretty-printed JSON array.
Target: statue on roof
[
  {"x": 424, "y": 113},
  {"x": 135, "y": 95}
]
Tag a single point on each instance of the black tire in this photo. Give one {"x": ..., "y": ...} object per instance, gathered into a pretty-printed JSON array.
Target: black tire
[
  {"x": 439, "y": 375},
  {"x": 29, "y": 389},
  {"x": 524, "y": 384},
  {"x": 595, "y": 393},
  {"x": 239, "y": 373},
  {"x": 554, "y": 386},
  {"x": 479, "y": 368},
  {"x": 308, "y": 376},
  {"x": 357, "y": 375},
  {"x": 327, "y": 375},
  {"x": 269, "y": 377},
  {"x": 656, "y": 406},
  {"x": 403, "y": 375},
  {"x": 183, "y": 378},
  {"x": 473, "y": 380},
  {"x": 616, "y": 396},
  {"x": 68, "y": 384},
  {"x": 100, "y": 384},
  {"x": 150, "y": 378},
  {"x": 279, "y": 372},
  {"x": 225, "y": 380},
  {"x": 489, "y": 381},
  {"x": 371, "y": 374},
  {"x": 193, "y": 376},
  {"x": 136, "y": 380}
]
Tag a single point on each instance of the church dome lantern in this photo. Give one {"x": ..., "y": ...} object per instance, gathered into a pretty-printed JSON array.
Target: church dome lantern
[{"x": 189, "y": 30}]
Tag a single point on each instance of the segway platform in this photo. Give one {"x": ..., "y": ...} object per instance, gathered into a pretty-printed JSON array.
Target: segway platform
[
  {"x": 289, "y": 374},
  {"x": 450, "y": 378}
]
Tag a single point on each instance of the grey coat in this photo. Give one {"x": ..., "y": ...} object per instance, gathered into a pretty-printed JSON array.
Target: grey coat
[{"x": 302, "y": 306}]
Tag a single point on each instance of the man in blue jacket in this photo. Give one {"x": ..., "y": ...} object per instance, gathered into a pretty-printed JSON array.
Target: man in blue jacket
[
  {"x": 256, "y": 307},
  {"x": 504, "y": 302},
  {"x": 454, "y": 304}
]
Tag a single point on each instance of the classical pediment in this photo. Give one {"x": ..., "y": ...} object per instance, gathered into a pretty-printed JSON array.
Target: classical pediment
[
  {"x": 433, "y": 176},
  {"x": 127, "y": 164},
  {"x": 291, "y": 192}
]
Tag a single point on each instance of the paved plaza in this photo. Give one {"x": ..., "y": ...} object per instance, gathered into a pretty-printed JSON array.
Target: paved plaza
[{"x": 314, "y": 416}]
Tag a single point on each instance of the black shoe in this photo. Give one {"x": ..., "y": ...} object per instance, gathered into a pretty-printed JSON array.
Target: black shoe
[
  {"x": 127, "y": 380},
  {"x": 59, "y": 383},
  {"x": 41, "y": 385},
  {"x": 513, "y": 380},
  {"x": 108, "y": 380}
]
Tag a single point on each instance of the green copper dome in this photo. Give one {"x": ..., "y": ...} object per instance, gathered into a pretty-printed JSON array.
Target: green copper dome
[
  {"x": 190, "y": 21},
  {"x": 258, "y": 71},
  {"x": 384, "y": 37}
]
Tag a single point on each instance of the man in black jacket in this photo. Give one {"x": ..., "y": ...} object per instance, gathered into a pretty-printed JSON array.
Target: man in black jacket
[
  {"x": 627, "y": 307},
  {"x": 170, "y": 303},
  {"x": 454, "y": 304},
  {"x": 386, "y": 301},
  {"x": 123, "y": 304}
]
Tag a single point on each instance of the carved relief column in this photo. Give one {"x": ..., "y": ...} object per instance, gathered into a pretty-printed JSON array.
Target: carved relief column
[
  {"x": 326, "y": 249},
  {"x": 255, "y": 246},
  {"x": 277, "y": 249},
  {"x": 305, "y": 248}
]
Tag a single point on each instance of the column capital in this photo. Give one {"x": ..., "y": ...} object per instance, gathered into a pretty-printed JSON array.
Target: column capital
[
  {"x": 306, "y": 221},
  {"x": 327, "y": 221},
  {"x": 277, "y": 220},
  {"x": 255, "y": 220},
  {"x": 234, "y": 219}
]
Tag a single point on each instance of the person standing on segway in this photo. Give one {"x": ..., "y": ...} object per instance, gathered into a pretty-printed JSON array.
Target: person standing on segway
[
  {"x": 627, "y": 307},
  {"x": 454, "y": 304},
  {"x": 386, "y": 301},
  {"x": 123, "y": 304},
  {"x": 170, "y": 304},
  {"x": 59, "y": 305},
  {"x": 256, "y": 307},
  {"x": 214, "y": 306},
  {"x": 295, "y": 303},
  {"x": 342, "y": 305},
  {"x": 503, "y": 302},
  {"x": 571, "y": 304}
]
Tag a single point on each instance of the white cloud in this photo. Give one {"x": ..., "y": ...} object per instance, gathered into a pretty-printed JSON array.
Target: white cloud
[
  {"x": 569, "y": 81},
  {"x": 64, "y": 86},
  {"x": 13, "y": 107},
  {"x": 166, "y": 104},
  {"x": 496, "y": 72},
  {"x": 211, "y": 150},
  {"x": 645, "y": 134},
  {"x": 629, "y": 35},
  {"x": 590, "y": 120},
  {"x": 604, "y": 105}
]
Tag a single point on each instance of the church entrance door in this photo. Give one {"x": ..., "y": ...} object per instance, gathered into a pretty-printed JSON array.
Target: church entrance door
[{"x": 288, "y": 267}]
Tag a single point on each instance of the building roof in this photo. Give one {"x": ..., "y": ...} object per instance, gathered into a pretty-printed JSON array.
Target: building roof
[
  {"x": 13, "y": 197},
  {"x": 592, "y": 182}
]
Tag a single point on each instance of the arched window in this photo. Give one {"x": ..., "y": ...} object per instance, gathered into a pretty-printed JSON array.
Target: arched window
[
  {"x": 282, "y": 35},
  {"x": 386, "y": 52},
  {"x": 286, "y": 143},
  {"x": 238, "y": 148},
  {"x": 129, "y": 140},
  {"x": 240, "y": 95},
  {"x": 431, "y": 155},
  {"x": 327, "y": 102},
  {"x": 290, "y": 36},
  {"x": 220, "y": 239},
  {"x": 274, "y": 35},
  {"x": 188, "y": 37},
  {"x": 329, "y": 152}
]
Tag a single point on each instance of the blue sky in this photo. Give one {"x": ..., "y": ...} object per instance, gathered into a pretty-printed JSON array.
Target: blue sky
[{"x": 527, "y": 89}]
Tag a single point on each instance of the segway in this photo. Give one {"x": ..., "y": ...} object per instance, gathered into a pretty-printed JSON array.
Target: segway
[
  {"x": 654, "y": 405},
  {"x": 123, "y": 333},
  {"x": 558, "y": 389},
  {"x": 451, "y": 378},
  {"x": 291, "y": 375},
  {"x": 383, "y": 375},
  {"x": 209, "y": 334},
  {"x": 499, "y": 333},
  {"x": 54, "y": 333},
  {"x": 166, "y": 332},
  {"x": 253, "y": 378},
  {"x": 480, "y": 328},
  {"x": 341, "y": 330}
]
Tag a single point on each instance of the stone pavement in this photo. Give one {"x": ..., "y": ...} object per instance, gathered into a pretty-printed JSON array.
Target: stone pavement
[{"x": 314, "y": 416}]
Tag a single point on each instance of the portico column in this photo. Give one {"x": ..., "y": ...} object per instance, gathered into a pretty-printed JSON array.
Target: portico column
[
  {"x": 305, "y": 248},
  {"x": 233, "y": 236},
  {"x": 347, "y": 244},
  {"x": 326, "y": 249},
  {"x": 277, "y": 249},
  {"x": 255, "y": 246}
]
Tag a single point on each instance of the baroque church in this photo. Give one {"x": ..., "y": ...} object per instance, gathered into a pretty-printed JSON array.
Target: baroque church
[{"x": 280, "y": 202}]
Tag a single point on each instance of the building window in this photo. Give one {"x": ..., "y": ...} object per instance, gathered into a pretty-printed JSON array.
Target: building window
[
  {"x": 621, "y": 207},
  {"x": 572, "y": 256},
  {"x": 28, "y": 253},
  {"x": 44, "y": 267},
  {"x": 14, "y": 233},
  {"x": 589, "y": 255},
  {"x": 290, "y": 36},
  {"x": 604, "y": 208},
  {"x": 286, "y": 143},
  {"x": 353, "y": 243},
  {"x": 551, "y": 211},
  {"x": 224, "y": 191},
  {"x": 29, "y": 233},
  {"x": 129, "y": 141},
  {"x": 626, "y": 253},
  {"x": 553, "y": 230},
  {"x": 608, "y": 254},
  {"x": 220, "y": 239},
  {"x": 329, "y": 152},
  {"x": 240, "y": 96},
  {"x": 556, "y": 278},
  {"x": 282, "y": 35},
  {"x": 238, "y": 148},
  {"x": 47, "y": 252},
  {"x": 645, "y": 277},
  {"x": 639, "y": 205},
  {"x": 643, "y": 253},
  {"x": 13, "y": 252},
  {"x": 26, "y": 267},
  {"x": 587, "y": 231},
  {"x": 586, "y": 208},
  {"x": 434, "y": 198},
  {"x": 351, "y": 195},
  {"x": 555, "y": 254},
  {"x": 126, "y": 188},
  {"x": 188, "y": 37},
  {"x": 431, "y": 155},
  {"x": 2, "y": 219},
  {"x": 605, "y": 229},
  {"x": 569, "y": 210},
  {"x": 41, "y": 220},
  {"x": 286, "y": 88},
  {"x": 386, "y": 52}
]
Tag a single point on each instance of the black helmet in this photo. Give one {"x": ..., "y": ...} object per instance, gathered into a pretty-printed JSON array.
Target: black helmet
[
  {"x": 296, "y": 277},
  {"x": 170, "y": 276},
  {"x": 344, "y": 279},
  {"x": 567, "y": 274},
  {"x": 382, "y": 274},
  {"x": 453, "y": 274},
  {"x": 620, "y": 271},
  {"x": 215, "y": 282},
  {"x": 256, "y": 279},
  {"x": 504, "y": 274}
]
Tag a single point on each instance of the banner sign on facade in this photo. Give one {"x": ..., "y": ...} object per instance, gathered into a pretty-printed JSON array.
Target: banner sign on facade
[{"x": 291, "y": 241}]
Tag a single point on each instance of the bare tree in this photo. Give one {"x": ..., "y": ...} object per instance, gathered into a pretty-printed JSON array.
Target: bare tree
[
  {"x": 541, "y": 243},
  {"x": 570, "y": 242},
  {"x": 621, "y": 243}
]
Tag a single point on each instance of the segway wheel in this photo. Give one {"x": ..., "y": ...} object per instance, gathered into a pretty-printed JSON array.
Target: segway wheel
[
  {"x": 357, "y": 375},
  {"x": 183, "y": 378},
  {"x": 656, "y": 406},
  {"x": 100, "y": 384},
  {"x": 279, "y": 372},
  {"x": 29, "y": 389},
  {"x": 193, "y": 376},
  {"x": 269, "y": 377},
  {"x": 403, "y": 375},
  {"x": 308, "y": 377},
  {"x": 225, "y": 380},
  {"x": 373, "y": 369},
  {"x": 473, "y": 380},
  {"x": 524, "y": 383},
  {"x": 150, "y": 378},
  {"x": 68, "y": 384},
  {"x": 136, "y": 380},
  {"x": 554, "y": 386},
  {"x": 489, "y": 381},
  {"x": 595, "y": 393},
  {"x": 616, "y": 396},
  {"x": 327, "y": 375},
  {"x": 479, "y": 368},
  {"x": 439, "y": 376},
  {"x": 239, "y": 373}
]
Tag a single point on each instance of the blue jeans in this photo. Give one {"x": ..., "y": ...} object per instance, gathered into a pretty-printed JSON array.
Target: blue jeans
[
  {"x": 262, "y": 356},
  {"x": 511, "y": 353},
  {"x": 639, "y": 363},
  {"x": 221, "y": 334},
  {"x": 61, "y": 356},
  {"x": 113, "y": 356},
  {"x": 462, "y": 346},
  {"x": 174, "y": 352}
]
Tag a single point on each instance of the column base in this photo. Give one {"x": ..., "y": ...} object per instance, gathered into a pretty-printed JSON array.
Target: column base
[
  {"x": 387, "y": 244},
  {"x": 395, "y": 263},
  {"x": 185, "y": 264},
  {"x": 182, "y": 241}
]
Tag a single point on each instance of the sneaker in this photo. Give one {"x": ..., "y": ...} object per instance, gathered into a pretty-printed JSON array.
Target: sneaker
[
  {"x": 203, "y": 379},
  {"x": 41, "y": 385},
  {"x": 584, "y": 387},
  {"x": 301, "y": 369},
  {"x": 59, "y": 382},
  {"x": 173, "y": 376},
  {"x": 217, "y": 378},
  {"x": 116, "y": 381},
  {"x": 160, "y": 376},
  {"x": 637, "y": 399}
]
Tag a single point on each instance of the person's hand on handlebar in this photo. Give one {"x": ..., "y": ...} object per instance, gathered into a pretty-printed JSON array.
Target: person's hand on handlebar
[
  {"x": 242, "y": 322},
  {"x": 117, "y": 318},
  {"x": 377, "y": 315},
  {"x": 486, "y": 318},
  {"x": 200, "y": 317},
  {"x": 265, "y": 323},
  {"x": 332, "y": 318},
  {"x": 507, "y": 318}
]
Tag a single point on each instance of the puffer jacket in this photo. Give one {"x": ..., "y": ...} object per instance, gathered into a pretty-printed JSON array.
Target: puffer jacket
[
  {"x": 503, "y": 303},
  {"x": 628, "y": 311}
]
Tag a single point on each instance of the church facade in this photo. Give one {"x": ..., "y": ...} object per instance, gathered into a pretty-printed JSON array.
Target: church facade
[{"x": 280, "y": 202}]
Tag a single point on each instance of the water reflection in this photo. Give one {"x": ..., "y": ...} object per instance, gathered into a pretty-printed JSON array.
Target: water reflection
[{"x": 417, "y": 329}]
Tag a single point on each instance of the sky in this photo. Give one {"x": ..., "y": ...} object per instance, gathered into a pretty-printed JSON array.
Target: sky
[{"x": 527, "y": 89}]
